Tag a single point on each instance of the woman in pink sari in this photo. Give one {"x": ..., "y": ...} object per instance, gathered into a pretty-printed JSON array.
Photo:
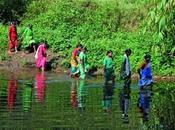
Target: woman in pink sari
[{"x": 41, "y": 55}]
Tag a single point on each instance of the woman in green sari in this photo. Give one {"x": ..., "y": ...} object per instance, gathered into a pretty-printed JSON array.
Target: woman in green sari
[
  {"x": 83, "y": 64},
  {"x": 28, "y": 40}
]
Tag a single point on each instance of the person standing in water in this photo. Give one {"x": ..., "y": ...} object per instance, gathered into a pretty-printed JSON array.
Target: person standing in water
[
  {"x": 74, "y": 60},
  {"x": 145, "y": 86},
  {"x": 109, "y": 76},
  {"x": 126, "y": 76},
  {"x": 13, "y": 38},
  {"x": 109, "y": 68},
  {"x": 83, "y": 64},
  {"x": 126, "y": 68},
  {"x": 41, "y": 56}
]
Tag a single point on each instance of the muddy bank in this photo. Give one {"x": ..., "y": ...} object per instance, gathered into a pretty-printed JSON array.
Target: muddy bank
[{"x": 22, "y": 63}]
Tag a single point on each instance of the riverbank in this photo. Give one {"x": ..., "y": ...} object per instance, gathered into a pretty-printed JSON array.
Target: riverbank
[{"x": 21, "y": 62}]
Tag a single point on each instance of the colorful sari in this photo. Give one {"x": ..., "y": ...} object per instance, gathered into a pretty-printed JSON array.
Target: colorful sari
[
  {"x": 28, "y": 38},
  {"x": 40, "y": 56},
  {"x": 13, "y": 36},
  {"x": 83, "y": 65},
  {"x": 74, "y": 62}
]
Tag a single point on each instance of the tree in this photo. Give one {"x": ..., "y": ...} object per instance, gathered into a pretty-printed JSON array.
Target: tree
[{"x": 161, "y": 20}]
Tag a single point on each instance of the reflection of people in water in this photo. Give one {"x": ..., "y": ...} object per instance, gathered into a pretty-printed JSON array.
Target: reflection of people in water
[
  {"x": 74, "y": 101},
  {"x": 12, "y": 91},
  {"x": 40, "y": 86},
  {"x": 124, "y": 102},
  {"x": 27, "y": 96},
  {"x": 145, "y": 84},
  {"x": 107, "y": 97},
  {"x": 82, "y": 93}
]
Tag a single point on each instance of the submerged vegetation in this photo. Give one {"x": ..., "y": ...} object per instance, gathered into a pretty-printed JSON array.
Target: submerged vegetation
[{"x": 102, "y": 25}]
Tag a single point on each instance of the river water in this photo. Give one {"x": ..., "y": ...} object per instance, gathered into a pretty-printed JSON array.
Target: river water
[{"x": 35, "y": 100}]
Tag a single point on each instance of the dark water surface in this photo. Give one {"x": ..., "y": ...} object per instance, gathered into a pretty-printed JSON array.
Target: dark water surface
[{"x": 35, "y": 100}]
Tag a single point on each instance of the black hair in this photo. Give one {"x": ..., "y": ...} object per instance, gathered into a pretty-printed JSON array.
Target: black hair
[
  {"x": 45, "y": 42},
  {"x": 79, "y": 45},
  {"x": 128, "y": 51},
  {"x": 110, "y": 51},
  {"x": 13, "y": 22},
  {"x": 147, "y": 57},
  {"x": 84, "y": 48},
  {"x": 30, "y": 25}
]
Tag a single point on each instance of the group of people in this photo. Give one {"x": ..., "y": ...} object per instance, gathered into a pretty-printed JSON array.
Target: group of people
[
  {"x": 28, "y": 44},
  {"x": 80, "y": 66},
  {"x": 79, "y": 63}
]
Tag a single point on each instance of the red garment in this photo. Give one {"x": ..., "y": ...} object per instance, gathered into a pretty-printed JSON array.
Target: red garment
[
  {"x": 13, "y": 36},
  {"x": 75, "y": 52}
]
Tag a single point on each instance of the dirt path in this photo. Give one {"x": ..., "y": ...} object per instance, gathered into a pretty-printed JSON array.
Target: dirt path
[{"x": 21, "y": 61}]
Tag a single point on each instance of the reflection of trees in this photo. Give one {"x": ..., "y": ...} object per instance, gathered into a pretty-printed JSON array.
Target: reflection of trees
[
  {"x": 3, "y": 93},
  {"x": 162, "y": 109}
]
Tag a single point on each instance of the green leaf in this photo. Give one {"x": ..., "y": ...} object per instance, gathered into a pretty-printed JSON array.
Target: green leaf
[
  {"x": 162, "y": 24},
  {"x": 160, "y": 36}
]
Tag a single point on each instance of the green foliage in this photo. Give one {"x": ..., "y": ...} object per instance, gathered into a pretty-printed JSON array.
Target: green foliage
[
  {"x": 162, "y": 113},
  {"x": 100, "y": 25},
  {"x": 161, "y": 22},
  {"x": 3, "y": 41},
  {"x": 12, "y": 9}
]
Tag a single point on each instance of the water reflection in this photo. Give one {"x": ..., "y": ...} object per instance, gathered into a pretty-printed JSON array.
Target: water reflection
[
  {"x": 144, "y": 101},
  {"x": 107, "y": 97},
  {"x": 12, "y": 92},
  {"x": 78, "y": 94},
  {"x": 40, "y": 86},
  {"x": 124, "y": 102},
  {"x": 27, "y": 96},
  {"x": 82, "y": 95},
  {"x": 3, "y": 94},
  {"x": 74, "y": 85}
]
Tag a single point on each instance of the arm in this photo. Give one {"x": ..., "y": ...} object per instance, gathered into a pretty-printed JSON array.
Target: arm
[{"x": 141, "y": 66}]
